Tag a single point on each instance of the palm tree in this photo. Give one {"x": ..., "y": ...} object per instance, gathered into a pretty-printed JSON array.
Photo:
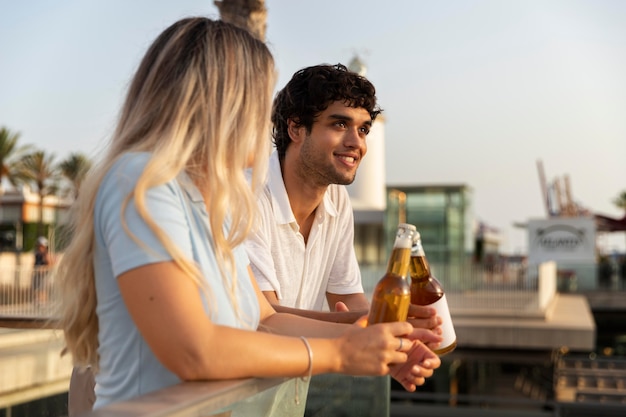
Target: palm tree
[
  {"x": 620, "y": 200},
  {"x": 247, "y": 14},
  {"x": 74, "y": 169},
  {"x": 38, "y": 170},
  {"x": 9, "y": 153}
]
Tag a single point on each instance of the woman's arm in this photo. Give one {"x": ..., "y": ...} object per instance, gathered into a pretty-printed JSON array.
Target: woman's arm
[{"x": 167, "y": 309}]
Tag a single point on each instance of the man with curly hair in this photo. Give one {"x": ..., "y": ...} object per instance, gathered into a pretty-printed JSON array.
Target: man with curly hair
[{"x": 303, "y": 254}]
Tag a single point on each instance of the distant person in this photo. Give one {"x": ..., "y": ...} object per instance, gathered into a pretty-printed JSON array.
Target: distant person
[
  {"x": 155, "y": 285},
  {"x": 622, "y": 270},
  {"x": 605, "y": 272},
  {"x": 41, "y": 268},
  {"x": 490, "y": 266}
]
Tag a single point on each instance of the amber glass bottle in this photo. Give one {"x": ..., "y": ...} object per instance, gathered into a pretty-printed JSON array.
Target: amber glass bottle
[
  {"x": 426, "y": 290},
  {"x": 392, "y": 294}
]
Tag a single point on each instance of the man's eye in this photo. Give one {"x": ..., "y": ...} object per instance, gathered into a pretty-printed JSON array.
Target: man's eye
[
  {"x": 341, "y": 124},
  {"x": 365, "y": 130}
]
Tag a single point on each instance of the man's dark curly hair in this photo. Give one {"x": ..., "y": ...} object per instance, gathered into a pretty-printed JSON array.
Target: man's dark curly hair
[{"x": 310, "y": 91}]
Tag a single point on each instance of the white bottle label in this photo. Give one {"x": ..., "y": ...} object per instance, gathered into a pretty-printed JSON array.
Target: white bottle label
[{"x": 449, "y": 335}]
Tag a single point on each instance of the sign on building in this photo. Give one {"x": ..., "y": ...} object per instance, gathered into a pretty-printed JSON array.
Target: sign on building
[{"x": 565, "y": 239}]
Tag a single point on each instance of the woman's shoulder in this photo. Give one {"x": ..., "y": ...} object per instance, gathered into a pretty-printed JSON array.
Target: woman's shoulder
[
  {"x": 130, "y": 163},
  {"x": 125, "y": 171},
  {"x": 121, "y": 178}
]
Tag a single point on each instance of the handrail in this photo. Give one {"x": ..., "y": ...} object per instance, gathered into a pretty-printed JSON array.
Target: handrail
[
  {"x": 260, "y": 396},
  {"x": 19, "y": 322}
]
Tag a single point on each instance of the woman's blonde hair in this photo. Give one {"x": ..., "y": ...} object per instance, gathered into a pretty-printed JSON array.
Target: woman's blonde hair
[{"x": 200, "y": 103}]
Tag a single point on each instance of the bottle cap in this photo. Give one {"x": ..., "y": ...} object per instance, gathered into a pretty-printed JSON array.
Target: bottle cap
[{"x": 405, "y": 235}]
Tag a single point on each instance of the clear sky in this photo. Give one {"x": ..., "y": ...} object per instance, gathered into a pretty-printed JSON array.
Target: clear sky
[{"x": 474, "y": 92}]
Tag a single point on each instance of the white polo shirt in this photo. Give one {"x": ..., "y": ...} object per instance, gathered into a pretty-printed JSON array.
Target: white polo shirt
[{"x": 302, "y": 274}]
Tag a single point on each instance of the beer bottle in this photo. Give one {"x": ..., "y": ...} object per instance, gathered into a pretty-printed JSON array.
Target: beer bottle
[
  {"x": 426, "y": 290},
  {"x": 392, "y": 294}
]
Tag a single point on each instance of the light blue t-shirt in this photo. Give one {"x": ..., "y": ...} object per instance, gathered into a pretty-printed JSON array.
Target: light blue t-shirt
[{"x": 128, "y": 367}]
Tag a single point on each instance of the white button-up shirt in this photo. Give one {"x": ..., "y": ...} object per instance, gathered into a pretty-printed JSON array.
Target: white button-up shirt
[{"x": 300, "y": 273}]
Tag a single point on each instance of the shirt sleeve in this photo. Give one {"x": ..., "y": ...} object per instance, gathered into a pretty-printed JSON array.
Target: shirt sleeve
[
  {"x": 138, "y": 246},
  {"x": 259, "y": 250}
]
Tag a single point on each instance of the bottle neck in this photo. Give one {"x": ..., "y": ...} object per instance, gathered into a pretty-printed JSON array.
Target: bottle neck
[
  {"x": 420, "y": 270},
  {"x": 399, "y": 262}
]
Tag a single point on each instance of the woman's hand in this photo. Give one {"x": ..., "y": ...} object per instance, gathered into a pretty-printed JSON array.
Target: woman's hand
[
  {"x": 419, "y": 362},
  {"x": 395, "y": 348},
  {"x": 371, "y": 350}
]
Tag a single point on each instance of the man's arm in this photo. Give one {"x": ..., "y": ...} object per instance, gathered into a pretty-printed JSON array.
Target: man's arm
[
  {"x": 356, "y": 302},
  {"x": 335, "y": 317}
]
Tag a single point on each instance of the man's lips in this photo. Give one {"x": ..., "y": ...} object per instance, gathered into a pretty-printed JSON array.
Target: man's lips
[{"x": 349, "y": 159}]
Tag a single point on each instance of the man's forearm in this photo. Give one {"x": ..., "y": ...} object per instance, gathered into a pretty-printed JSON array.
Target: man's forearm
[
  {"x": 335, "y": 317},
  {"x": 356, "y": 302},
  {"x": 289, "y": 324}
]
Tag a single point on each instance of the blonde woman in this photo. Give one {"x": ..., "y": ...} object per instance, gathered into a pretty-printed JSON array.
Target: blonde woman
[{"x": 155, "y": 286}]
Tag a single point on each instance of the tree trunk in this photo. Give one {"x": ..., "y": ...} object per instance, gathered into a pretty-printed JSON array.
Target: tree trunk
[{"x": 247, "y": 14}]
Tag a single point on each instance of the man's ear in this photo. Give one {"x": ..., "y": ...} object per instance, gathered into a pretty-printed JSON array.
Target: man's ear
[{"x": 296, "y": 132}]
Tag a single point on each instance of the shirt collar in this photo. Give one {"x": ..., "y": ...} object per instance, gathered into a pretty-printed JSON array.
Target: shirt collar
[
  {"x": 189, "y": 188},
  {"x": 280, "y": 200}
]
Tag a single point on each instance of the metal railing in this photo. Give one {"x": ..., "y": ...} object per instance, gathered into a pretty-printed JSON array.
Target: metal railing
[
  {"x": 507, "y": 290},
  {"x": 440, "y": 405},
  {"x": 587, "y": 379},
  {"x": 26, "y": 293}
]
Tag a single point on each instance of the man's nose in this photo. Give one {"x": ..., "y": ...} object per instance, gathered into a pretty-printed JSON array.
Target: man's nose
[{"x": 354, "y": 139}]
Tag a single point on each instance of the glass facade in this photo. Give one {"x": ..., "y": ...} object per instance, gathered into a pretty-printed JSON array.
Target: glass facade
[{"x": 442, "y": 214}]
